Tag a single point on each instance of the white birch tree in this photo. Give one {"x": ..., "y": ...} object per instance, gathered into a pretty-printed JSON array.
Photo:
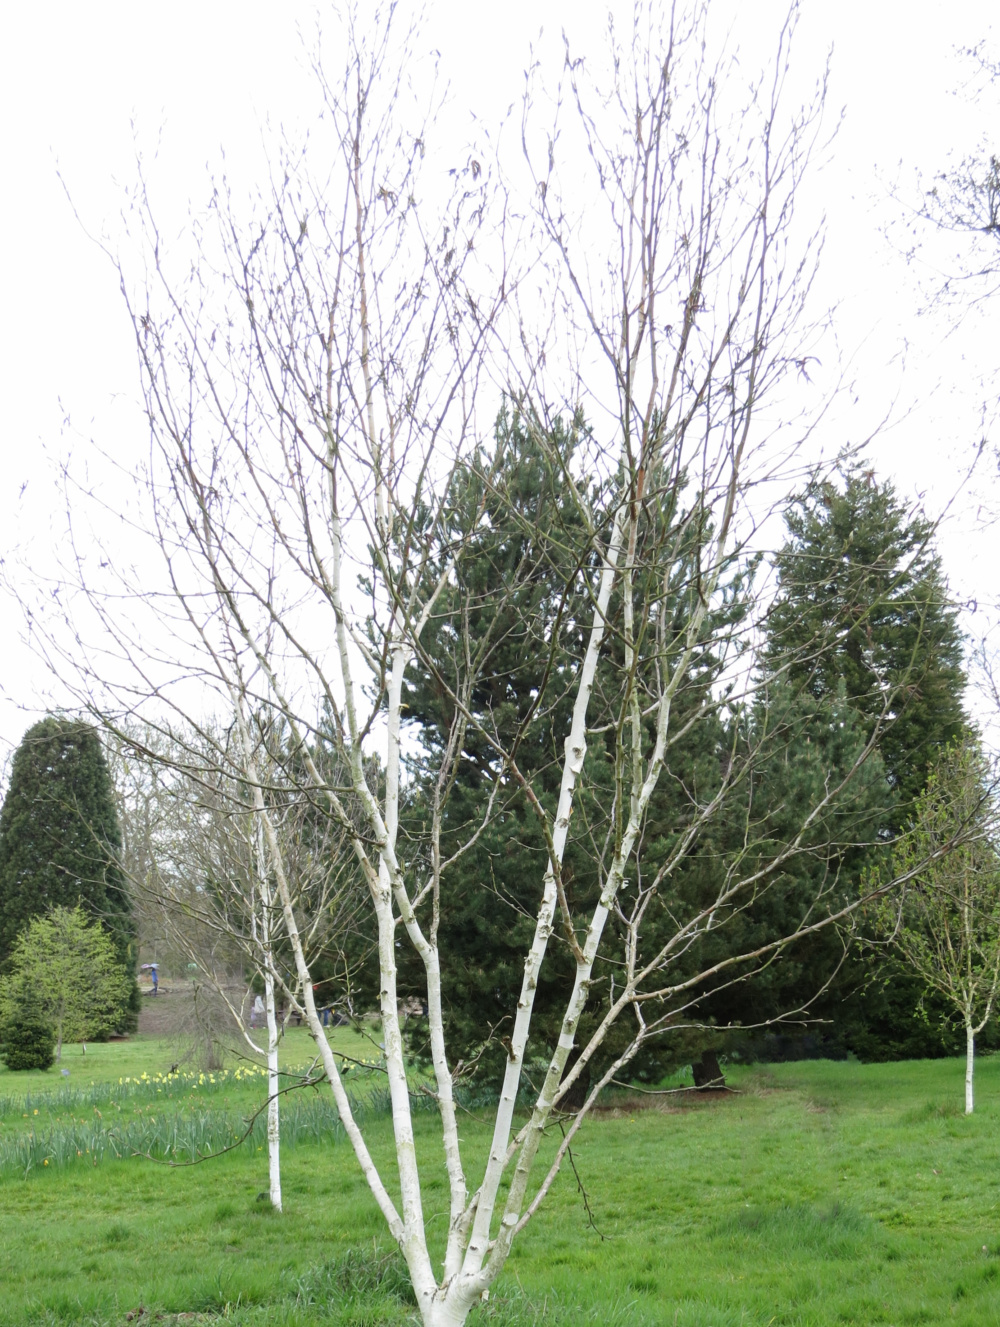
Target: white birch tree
[
  {"x": 262, "y": 921},
  {"x": 319, "y": 377},
  {"x": 195, "y": 854}
]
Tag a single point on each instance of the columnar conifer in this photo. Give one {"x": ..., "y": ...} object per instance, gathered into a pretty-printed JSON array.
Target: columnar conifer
[{"x": 60, "y": 840}]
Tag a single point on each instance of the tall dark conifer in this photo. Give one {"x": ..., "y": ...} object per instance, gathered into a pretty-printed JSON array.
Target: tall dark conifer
[
  {"x": 863, "y": 611},
  {"x": 60, "y": 839},
  {"x": 863, "y": 605}
]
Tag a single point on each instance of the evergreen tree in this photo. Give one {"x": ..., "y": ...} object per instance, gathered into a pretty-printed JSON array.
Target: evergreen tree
[
  {"x": 863, "y": 604},
  {"x": 63, "y": 971},
  {"x": 863, "y": 611},
  {"x": 805, "y": 783},
  {"x": 525, "y": 545},
  {"x": 861, "y": 615},
  {"x": 522, "y": 533},
  {"x": 60, "y": 841},
  {"x": 27, "y": 1041}
]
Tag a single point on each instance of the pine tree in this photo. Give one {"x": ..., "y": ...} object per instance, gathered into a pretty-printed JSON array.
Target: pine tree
[
  {"x": 523, "y": 534},
  {"x": 60, "y": 841},
  {"x": 518, "y": 562}
]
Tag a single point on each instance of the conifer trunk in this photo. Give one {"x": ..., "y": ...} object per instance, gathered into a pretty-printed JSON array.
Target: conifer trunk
[{"x": 707, "y": 1072}]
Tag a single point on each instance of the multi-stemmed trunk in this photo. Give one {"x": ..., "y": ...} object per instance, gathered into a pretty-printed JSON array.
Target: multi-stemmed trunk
[{"x": 679, "y": 389}]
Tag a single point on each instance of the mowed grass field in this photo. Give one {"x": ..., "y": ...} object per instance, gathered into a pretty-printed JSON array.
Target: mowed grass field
[{"x": 818, "y": 1193}]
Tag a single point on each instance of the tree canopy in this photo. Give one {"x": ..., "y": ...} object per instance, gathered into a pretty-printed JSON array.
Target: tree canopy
[
  {"x": 863, "y": 603},
  {"x": 945, "y": 922},
  {"x": 63, "y": 971}
]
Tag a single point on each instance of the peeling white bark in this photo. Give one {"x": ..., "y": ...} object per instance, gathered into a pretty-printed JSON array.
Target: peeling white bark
[{"x": 576, "y": 750}]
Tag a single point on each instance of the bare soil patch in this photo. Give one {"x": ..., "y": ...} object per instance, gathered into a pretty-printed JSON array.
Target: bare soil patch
[{"x": 169, "y": 1013}]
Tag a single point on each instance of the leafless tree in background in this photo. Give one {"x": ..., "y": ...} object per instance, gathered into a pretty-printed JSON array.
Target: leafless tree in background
[{"x": 201, "y": 874}]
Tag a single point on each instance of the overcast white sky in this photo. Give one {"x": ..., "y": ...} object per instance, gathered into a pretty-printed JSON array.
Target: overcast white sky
[{"x": 198, "y": 76}]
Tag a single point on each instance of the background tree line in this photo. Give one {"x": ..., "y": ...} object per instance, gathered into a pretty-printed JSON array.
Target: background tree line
[{"x": 861, "y": 638}]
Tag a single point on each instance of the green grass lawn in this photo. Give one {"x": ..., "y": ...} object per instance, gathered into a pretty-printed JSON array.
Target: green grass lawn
[{"x": 820, "y": 1194}]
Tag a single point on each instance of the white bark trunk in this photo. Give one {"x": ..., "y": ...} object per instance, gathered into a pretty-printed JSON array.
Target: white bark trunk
[
  {"x": 320, "y": 1040},
  {"x": 576, "y": 750},
  {"x": 413, "y": 1244},
  {"x": 641, "y": 791},
  {"x": 368, "y": 1168},
  {"x": 449, "y": 1312},
  {"x": 389, "y": 876},
  {"x": 261, "y": 932},
  {"x": 273, "y": 1118},
  {"x": 970, "y": 1054}
]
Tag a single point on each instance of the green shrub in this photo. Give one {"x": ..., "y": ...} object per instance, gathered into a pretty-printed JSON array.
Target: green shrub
[
  {"x": 64, "y": 971},
  {"x": 28, "y": 1042}
]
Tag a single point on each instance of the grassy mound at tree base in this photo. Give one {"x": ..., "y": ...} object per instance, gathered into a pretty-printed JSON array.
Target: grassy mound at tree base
[{"x": 821, "y": 1194}]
